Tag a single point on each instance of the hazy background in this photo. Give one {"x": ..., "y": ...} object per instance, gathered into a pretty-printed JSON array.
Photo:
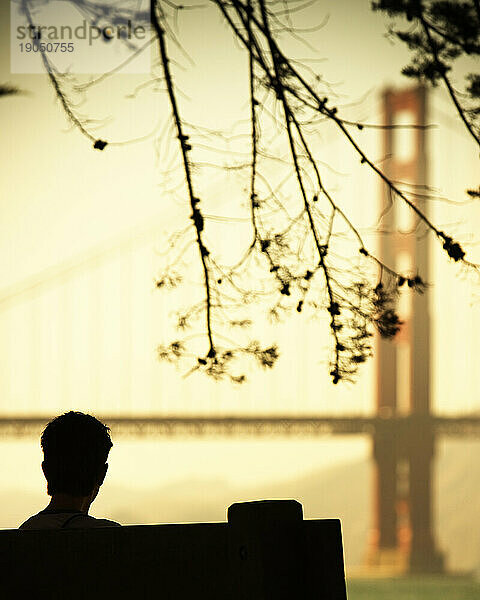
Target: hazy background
[{"x": 60, "y": 199}]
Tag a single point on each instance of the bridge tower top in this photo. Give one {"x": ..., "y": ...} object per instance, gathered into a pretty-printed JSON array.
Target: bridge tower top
[{"x": 403, "y": 371}]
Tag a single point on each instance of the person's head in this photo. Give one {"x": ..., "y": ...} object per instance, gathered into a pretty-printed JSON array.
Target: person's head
[{"x": 75, "y": 447}]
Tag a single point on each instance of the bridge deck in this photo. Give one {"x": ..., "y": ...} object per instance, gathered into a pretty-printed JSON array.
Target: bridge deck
[{"x": 266, "y": 425}]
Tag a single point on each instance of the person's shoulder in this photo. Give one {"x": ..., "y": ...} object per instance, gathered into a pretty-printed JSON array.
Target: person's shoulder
[
  {"x": 60, "y": 520},
  {"x": 89, "y": 521},
  {"x": 109, "y": 523},
  {"x": 26, "y": 524},
  {"x": 105, "y": 522},
  {"x": 41, "y": 521}
]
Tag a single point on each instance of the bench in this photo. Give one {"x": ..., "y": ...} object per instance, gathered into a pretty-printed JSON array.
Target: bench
[{"x": 266, "y": 551}]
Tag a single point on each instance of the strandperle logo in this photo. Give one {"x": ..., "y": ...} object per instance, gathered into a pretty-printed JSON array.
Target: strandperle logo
[
  {"x": 85, "y": 31},
  {"x": 60, "y": 34}
]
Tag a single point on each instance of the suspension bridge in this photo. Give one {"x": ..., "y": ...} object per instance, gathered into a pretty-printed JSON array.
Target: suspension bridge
[{"x": 87, "y": 318}]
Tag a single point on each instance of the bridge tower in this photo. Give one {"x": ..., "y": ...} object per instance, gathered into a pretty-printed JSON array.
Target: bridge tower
[{"x": 403, "y": 530}]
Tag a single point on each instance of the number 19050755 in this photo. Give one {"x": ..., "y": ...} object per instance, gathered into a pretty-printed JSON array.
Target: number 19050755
[{"x": 47, "y": 47}]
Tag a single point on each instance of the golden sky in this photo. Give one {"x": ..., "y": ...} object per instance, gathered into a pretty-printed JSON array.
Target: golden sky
[{"x": 59, "y": 198}]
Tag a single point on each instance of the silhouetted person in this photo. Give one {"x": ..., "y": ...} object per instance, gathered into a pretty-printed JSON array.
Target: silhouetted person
[{"x": 75, "y": 447}]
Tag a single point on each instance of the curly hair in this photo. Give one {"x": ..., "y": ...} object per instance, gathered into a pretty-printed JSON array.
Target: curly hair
[{"x": 75, "y": 447}]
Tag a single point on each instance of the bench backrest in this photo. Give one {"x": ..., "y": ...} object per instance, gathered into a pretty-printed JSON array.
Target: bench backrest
[{"x": 265, "y": 551}]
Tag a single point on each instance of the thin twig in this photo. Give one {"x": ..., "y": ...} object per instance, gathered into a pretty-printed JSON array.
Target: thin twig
[{"x": 185, "y": 147}]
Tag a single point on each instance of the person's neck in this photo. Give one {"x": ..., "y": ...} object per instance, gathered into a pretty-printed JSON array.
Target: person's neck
[{"x": 67, "y": 502}]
